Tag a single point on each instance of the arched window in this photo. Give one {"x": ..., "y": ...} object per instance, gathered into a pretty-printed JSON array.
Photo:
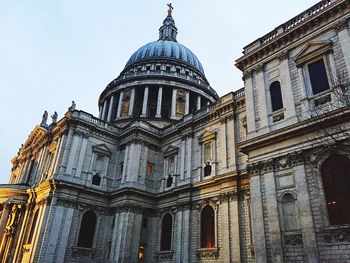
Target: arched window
[
  {"x": 276, "y": 96},
  {"x": 87, "y": 229},
  {"x": 96, "y": 179},
  {"x": 207, "y": 227},
  {"x": 32, "y": 227},
  {"x": 289, "y": 212},
  {"x": 336, "y": 184},
  {"x": 167, "y": 229}
]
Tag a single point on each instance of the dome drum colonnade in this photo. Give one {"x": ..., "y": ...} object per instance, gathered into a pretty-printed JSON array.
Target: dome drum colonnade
[{"x": 163, "y": 80}]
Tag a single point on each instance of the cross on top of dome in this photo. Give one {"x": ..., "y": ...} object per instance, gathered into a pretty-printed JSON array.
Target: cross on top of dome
[{"x": 168, "y": 30}]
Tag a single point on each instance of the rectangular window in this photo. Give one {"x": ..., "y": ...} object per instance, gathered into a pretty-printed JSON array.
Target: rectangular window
[
  {"x": 171, "y": 165},
  {"x": 150, "y": 169},
  {"x": 207, "y": 152},
  {"x": 121, "y": 167},
  {"x": 318, "y": 76}
]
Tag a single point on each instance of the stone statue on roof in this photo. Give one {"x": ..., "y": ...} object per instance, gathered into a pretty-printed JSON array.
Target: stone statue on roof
[{"x": 44, "y": 119}]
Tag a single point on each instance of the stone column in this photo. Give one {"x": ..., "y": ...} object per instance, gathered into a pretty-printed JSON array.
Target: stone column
[
  {"x": 257, "y": 219},
  {"x": 110, "y": 110},
  {"x": 248, "y": 84},
  {"x": 286, "y": 90},
  {"x": 173, "y": 104},
  {"x": 189, "y": 157},
  {"x": 344, "y": 38},
  {"x": 120, "y": 104},
  {"x": 198, "y": 102},
  {"x": 260, "y": 86},
  {"x": 187, "y": 103},
  {"x": 100, "y": 114},
  {"x": 132, "y": 100},
  {"x": 104, "y": 110},
  {"x": 4, "y": 216},
  {"x": 178, "y": 236},
  {"x": 159, "y": 103},
  {"x": 126, "y": 236},
  {"x": 144, "y": 104},
  {"x": 305, "y": 215},
  {"x": 273, "y": 218}
]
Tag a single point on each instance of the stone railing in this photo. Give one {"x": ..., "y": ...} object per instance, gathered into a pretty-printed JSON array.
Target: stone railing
[{"x": 292, "y": 23}]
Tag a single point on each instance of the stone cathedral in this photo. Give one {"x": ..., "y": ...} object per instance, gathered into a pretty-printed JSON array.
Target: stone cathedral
[{"x": 171, "y": 172}]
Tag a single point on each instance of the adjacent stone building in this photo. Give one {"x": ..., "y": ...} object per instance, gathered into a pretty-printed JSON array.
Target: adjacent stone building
[{"x": 171, "y": 172}]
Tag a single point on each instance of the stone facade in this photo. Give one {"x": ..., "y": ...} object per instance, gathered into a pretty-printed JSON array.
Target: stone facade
[{"x": 170, "y": 172}]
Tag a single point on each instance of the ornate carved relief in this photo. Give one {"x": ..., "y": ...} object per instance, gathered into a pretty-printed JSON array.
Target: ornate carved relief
[
  {"x": 293, "y": 240},
  {"x": 337, "y": 235},
  {"x": 341, "y": 25},
  {"x": 279, "y": 163},
  {"x": 208, "y": 253},
  {"x": 165, "y": 255}
]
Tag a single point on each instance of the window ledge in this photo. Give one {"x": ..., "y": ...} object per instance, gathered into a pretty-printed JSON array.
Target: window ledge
[
  {"x": 208, "y": 253},
  {"x": 165, "y": 255},
  {"x": 83, "y": 251}
]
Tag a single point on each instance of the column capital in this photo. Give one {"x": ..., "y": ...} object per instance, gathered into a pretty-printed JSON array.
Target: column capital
[{"x": 341, "y": 25}]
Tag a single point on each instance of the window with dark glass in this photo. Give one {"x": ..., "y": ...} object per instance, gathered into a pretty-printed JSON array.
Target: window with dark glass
[
  {"x": 276, "y": 96},
  {"x": 169, "y": 181},
  {"x": 167, "y": 228},
  {"x": 87, "y": 229},
  {"x": 336, "y": 184},
  {"x": 318, "y": 76},
  {"x": 207, "y": 227},
  {"x": 96, "y": 179}
]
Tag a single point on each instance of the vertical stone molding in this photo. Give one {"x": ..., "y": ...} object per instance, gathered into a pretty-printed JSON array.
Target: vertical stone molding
[
  {"x": 120, "y": 104},
  {"x": 198, "y": 102},
  {"x": 173, "y": 104},
  {"x": 144, "y": 104},
  {"x": 305, "y": 215},
  {"x": 286, "y": 89},
  {"x": 104, "y": 110},
  {"x": 187, "y": 103},
  {"x": 159, "y": 102},
  {"x": 132, "y": 100},
  {"x": 257, "y": 220},
  {"x": 248, "y": 88},
  {"x": 110, "y": 110},
  {"x": 260, "y": 85},
  {"x": 344, "y": 38}
]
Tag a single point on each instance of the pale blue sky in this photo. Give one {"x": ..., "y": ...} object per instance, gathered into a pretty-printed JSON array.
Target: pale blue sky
[{"x": 53, "y": 52}]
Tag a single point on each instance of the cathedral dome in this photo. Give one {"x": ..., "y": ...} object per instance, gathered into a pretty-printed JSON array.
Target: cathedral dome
[
  {"x": 161, "y": 82},
  {"x": 167, "y": 49}
]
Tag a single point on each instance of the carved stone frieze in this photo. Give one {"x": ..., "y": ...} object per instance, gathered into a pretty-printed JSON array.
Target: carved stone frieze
[
  {"x": 293, "y": 240},
  {"x": 337, "y": 235},
  {"x": 341, "y": 25},
  {"x": 229, "y": 196},
  {"x": 283, "y": 55},
  {"x": 208, "y": 253},
  {"x": 279, "y": 163},
  {"x": 165, "y": 255}
]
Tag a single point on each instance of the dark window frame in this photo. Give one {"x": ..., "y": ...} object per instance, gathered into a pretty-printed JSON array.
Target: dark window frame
[
  {"x": 276, "y": 96},
  {"x": 207, "y": 227},
  {"x": 336, "y": 185},
  {"x": 87, "y": 229},
  {"x": 166, "y": 234},
  {"x": 315, "y": 69}
]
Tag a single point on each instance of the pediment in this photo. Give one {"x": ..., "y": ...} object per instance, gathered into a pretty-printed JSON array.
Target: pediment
[
  {"x": 102, "y": 149},
  {"x": 312, "y": 50},
  {"x": 206, "y": 136},
  {"x": 171, "y": 150},
  {"x": 37, "y": 133}
]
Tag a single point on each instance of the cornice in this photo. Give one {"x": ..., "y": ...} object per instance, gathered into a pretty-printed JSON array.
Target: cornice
[{"x": 293, "y": 30}]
